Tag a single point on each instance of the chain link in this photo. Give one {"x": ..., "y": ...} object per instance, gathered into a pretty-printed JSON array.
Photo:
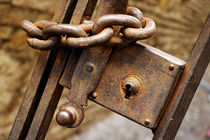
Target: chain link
[{"x": 43, "y": 35}]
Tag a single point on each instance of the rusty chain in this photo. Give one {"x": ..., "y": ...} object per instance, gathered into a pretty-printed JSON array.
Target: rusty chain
[{"x": 43, "y": 35}]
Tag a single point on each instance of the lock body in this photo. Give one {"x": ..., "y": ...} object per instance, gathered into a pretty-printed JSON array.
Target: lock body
[{"x": 150, "y": 76}]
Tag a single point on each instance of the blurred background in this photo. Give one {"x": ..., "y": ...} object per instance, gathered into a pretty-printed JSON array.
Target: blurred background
[{"x": 179, "y": 23}]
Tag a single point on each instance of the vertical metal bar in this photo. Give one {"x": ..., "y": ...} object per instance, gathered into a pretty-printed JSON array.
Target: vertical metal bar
[
  {"x": 53, "y": 90},
  {"x": 38, "y": 80},
  {"x": 186, "y": 87}
]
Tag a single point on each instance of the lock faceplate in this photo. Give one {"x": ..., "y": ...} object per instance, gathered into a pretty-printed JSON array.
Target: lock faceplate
[{"x": 157, "y": 72}]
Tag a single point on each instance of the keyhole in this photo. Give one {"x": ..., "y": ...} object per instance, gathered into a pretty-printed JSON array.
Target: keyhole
[
  {"x": 130, "y": 86},
  {"x": 127, "y": 91}
]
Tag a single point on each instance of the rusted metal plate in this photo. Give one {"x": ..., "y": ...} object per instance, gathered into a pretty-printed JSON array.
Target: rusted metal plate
[
  {"x": 158, "y": 73},
  {"x": 83, "y": 82}
]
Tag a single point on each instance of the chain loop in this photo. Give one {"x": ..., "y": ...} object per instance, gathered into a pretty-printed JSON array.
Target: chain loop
[
  {"x": 31, "y": 29},
  {"x": 140, "y": 33},
  {"x": 91, "y": 41},
  {"x": 115, "y": 19},
  {"x": 43, "y": 44},
  {"x": 95, "y": 40},
  {"x": 35, "y": 36},
  {"x": 44, "y": 35},
  {"x": 64, "y": 29},
  {"x": 133, "y": 11}
]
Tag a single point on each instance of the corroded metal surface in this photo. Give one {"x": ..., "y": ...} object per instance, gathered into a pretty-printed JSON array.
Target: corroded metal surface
[
  {"x": 156, "y": 83},
  {"x": 75, "y": 54},
  {"x": 53, "y": 90},
  {"x": 70, "y": 115},
  {"x": 186, "y": 86},
  {"x": 84, "y": 82},
  {"x": 92, "y": 41},
  {"x": 28, "y": 110},
  {"x": 134, "y": 80},
  {"x": 140, "y": 33},
  {"x": 44, "y": 35},
  {"x": 38, "y": 81}
]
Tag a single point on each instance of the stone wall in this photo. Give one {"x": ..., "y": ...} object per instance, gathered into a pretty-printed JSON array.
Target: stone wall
[{"x": 178, "y": 25}]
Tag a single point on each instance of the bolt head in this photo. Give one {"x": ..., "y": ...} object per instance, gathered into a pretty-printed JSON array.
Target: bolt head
[
  {"x": 94, "y": 95},
  {"x": 147, "y": 122},
  {"x": 89, "y": 67},
  {"x": 171, "y": 67}
]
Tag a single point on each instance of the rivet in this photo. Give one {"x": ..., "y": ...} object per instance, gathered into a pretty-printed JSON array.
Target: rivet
[
  {"x": 89, "y": 67},
  {"x": 94, "y": 95},
  {"x": 147, "y": 122},
  {"x": 171, "y": 67}
]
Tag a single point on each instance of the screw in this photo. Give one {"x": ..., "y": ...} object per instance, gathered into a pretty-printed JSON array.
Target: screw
[
  {"x": 89, "y": 67},
  {"x": 171, "y": 67},
  {"x": 147, "y": 122},
  {"x": 94, "y": 95}
]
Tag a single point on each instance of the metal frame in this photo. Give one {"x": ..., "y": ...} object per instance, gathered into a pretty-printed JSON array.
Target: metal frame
[
  {"x": 186, "y": 86},
  {"x": 43, "y": 92}
]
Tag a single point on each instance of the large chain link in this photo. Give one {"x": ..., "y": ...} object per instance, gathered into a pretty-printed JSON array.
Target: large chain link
[{"x": 44, "y": 35}]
